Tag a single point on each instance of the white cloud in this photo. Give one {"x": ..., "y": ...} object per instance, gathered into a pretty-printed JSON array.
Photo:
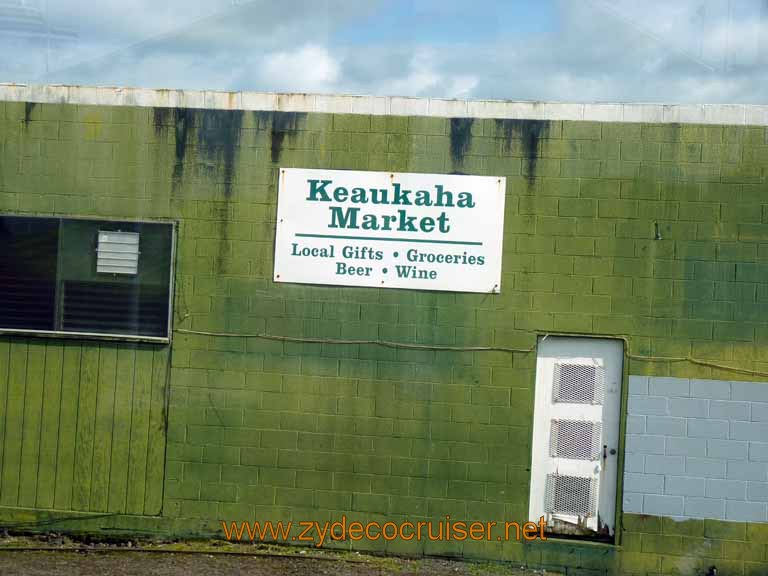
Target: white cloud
[{"x": 310, "y": 68}]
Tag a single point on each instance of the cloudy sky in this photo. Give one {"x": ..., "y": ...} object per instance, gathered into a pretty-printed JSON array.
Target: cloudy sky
[{"x": 703, "y": 51}]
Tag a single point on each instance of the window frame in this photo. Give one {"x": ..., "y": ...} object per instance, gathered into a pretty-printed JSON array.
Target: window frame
[{"x": 69, "y": 334}]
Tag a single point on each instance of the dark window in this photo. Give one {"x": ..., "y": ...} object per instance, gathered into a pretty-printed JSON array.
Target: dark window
[{"x": 85, "y": 276}]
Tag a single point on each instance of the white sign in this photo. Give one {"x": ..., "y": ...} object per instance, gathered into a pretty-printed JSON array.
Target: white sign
[{"x": 391, "y": 230}]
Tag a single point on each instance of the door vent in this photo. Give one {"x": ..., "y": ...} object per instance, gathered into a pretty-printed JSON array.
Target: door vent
[
  {"x": 578, "y": 383},
  {"x": 570, "y": 495},
  {"x": 575, "y": 439}
]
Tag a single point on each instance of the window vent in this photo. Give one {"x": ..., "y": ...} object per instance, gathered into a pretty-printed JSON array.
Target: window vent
[
  {"x": 117, "y": 253},
  {"x": 575, "y": 439},
  {"x": 578, "y": 383},
  {"x": 570, "y": 495}
]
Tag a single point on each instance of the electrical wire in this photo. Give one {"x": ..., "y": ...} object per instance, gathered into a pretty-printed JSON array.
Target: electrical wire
[{"x": 440, "y": 347}]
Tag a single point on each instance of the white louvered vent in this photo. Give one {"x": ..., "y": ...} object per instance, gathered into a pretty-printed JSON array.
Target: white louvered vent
[
  {"x": 117, "y": 253},
  {"x": 578, "y": 383},
  {"x": 575, "y": 439},
  {"x": 570, "y": 495}
]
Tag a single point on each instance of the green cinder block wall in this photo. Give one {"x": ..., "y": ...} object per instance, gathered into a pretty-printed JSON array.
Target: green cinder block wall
[{"x": 656, "y": 233}]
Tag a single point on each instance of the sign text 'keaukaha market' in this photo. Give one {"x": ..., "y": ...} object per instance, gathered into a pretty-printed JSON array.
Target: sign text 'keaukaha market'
[{"x": 419, "y": 231}]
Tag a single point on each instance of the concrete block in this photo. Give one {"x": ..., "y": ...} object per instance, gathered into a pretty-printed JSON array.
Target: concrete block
[
  {"x": 727, "y": 449},
  {"x": 759, "y": 412},
  {"x": 705, "y": 467},
  {"x": 657, "y": 505},
  {"x": 666, "y": 425},
  {"x": 758, "y": 451},
  {"x": 689, "y": 407},
  {"x": 634, "y": 463},
  {"x": 714, "y": 389},
  {"x": 749, "y": 391},
  {"x": 643, "y": 444},
  {"x": 686, "y": 447},
  {"x": 712, "y": 508},
  {"x": 745, "y": 511},
  {"x": 700, "y": 428},
  {"x": 725, "y": 114},
  {"x": 638, "y": 385},
  {"x": 636, "y": 424},
  {"x": 664, "y": 464},
  {"x": 757, "y": 491},
  {"x": 402, "y": 106},
  {"x": 745, "y": 470},
  {"x": 669, "y": 387},
  {"x": 726, "y": 489},
  {"x": 604, "y": 112},
  {"x": 644, "y": 483},
  {"x": 648, "y": 406},
  {"x": 632, "y": 503},
  {"x": 757, "y": 431},
  {"x": 729, "y": 410},
  {"x": 684, "y": 486}
]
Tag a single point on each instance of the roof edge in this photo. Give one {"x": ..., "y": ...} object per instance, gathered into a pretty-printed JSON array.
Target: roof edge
[{"x": 727, "y": 114}]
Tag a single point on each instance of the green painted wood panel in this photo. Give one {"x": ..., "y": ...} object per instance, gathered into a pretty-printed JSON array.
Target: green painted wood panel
[
  {"x": 14, "y": 421},
  {"x": 86, "y": 421},
  {"x": 70, "y": 398},
  {"x": 153, "y": 500},
  {"x": 121, "y": 430},
  {"x": 5, "y": 359},
  {"x": 105, "y": 407},
  {"x": 137, "y": 465},
  {"x": 82, "y": 425},
  {"x": 30, "y": 434},
  {"x": 49, "y": 427}
]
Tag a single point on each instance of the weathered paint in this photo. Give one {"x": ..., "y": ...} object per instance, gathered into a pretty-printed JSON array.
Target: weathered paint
[{"x": 263, "y": 429}]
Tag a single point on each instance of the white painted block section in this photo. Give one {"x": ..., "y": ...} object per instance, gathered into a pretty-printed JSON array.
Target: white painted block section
[
  {"x": 638, "y": 385},
  {"x": 713, "y": 508},
  {"x": 669, "y": 387},
  {"x": 636, "y": 424},
  {"x": 657, "y": 505},
  {"x": 758, "y": 451},
  {"x": 745, "y": 511},
  {"x": 749, "y": 391},
  {"x": 715, "y": 456},
  {"x": 666, "y": 425},
  {"x": 726, "y": 489},
  {"x": 699, "y": 428},
  {"x": 655, "y": 464},
  {"x": 759, "y": 412},
  {"x": 705, "y": 467},
  {"x": 690, "y": 407},
  {"x": 685, "y": 486},
  {"x": 727, "y": 449},
  {"x": 715, "y": 389},
  {"x": 729, "y": 410},
  {"x": 648, "y": 405},
  {"x": 644, "y": 483},
  {"x": 696, "y": 447},
  {"x": 632, "y": 502}
]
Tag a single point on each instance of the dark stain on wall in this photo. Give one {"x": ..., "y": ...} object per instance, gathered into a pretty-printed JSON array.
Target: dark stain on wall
[
  {"x": 281, "y": 124},
  {"x": 461, "y": 138},
  {"x": 218, "y": 136},
  {"x": 28, "y": 107},
  {"x": 183, "y": 120},
  {"x": 530, "y": 132}
]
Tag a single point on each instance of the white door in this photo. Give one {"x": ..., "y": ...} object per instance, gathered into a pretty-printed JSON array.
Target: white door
[{"x": 576, "y": 435}]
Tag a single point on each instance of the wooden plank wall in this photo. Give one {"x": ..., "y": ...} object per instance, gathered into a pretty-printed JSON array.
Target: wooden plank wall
[{"x": 82, "y": 425}]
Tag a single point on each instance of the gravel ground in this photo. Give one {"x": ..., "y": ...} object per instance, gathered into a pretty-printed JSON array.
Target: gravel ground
[{"x": 64, "y": 557}]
